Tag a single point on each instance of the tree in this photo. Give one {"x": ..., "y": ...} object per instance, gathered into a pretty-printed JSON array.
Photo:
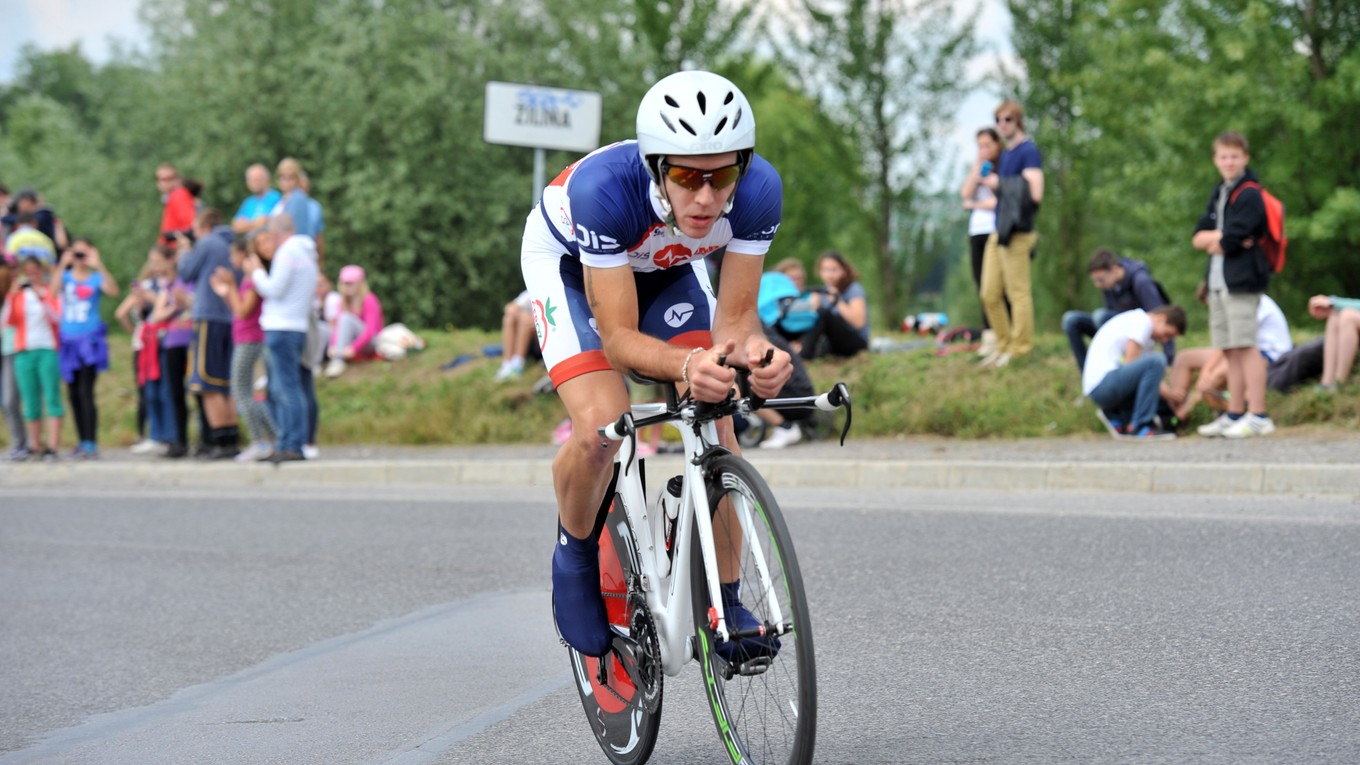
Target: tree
[{"x": 888, "y": 72}]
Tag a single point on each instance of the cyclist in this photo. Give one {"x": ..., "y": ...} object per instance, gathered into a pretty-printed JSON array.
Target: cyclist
[{"x": 613, "y": 260}]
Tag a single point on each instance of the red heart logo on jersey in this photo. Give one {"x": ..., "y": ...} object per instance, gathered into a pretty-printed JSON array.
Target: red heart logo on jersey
[{"x": 84, "y": 291}]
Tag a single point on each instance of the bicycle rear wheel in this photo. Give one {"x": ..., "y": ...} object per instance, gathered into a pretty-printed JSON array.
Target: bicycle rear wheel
[
  {"x": 765, "y": 708},
  {"x": 622, "y": 703}
]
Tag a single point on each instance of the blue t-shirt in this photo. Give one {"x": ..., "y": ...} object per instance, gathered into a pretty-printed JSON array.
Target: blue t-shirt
[
  {"x": 80, "y": 304},
  {"x": 258, "y": 206},
  {"x": 1014, "y": 161},
  {"x": 305, "y": 211}
]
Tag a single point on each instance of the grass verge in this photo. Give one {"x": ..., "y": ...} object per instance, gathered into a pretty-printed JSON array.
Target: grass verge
[{"x": 915, "y": 392}]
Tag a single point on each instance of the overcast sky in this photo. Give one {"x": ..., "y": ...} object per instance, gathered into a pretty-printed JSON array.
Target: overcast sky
[{"x": 51, "y": 24}]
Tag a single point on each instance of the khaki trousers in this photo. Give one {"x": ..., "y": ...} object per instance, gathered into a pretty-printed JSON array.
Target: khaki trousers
[{"x": 1005, "y": 276}]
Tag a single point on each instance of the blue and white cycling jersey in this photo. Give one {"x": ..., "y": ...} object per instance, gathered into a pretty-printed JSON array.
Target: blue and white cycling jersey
[{"x": 605, "y": 212}]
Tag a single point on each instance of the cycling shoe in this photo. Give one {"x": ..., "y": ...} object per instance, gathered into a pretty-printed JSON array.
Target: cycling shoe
[
  {"x": 740, "y": 618},
  {"x": 578, "y": 608}
]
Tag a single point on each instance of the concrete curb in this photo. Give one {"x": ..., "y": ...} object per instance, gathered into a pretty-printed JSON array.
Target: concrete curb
[{"x": 995, "y": 475}]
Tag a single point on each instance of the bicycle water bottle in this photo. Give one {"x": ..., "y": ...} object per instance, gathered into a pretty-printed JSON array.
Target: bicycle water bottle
[{"x": 670, "y": 510}]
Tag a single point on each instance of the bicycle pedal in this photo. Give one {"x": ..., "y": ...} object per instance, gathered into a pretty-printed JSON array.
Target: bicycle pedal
[{"x": 748, "y": 668}]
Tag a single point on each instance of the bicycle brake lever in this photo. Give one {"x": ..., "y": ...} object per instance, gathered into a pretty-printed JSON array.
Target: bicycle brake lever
[{"x": 840, "y": 395}]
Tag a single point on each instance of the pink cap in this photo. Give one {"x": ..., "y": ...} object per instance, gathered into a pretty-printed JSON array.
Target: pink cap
[{"x": 352, "y": 274}]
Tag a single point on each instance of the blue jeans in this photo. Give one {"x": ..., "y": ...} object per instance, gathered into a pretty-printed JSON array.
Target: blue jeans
[
  {"x": 1132, "y": 392},
  {"x": 1079, "y": 325},
  {"x": 285, "y": 387},
  {"x": 160, "y": 406}
]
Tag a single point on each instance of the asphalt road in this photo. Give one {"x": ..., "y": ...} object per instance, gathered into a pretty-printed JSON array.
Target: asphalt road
[{"x": 340, "y": 625}]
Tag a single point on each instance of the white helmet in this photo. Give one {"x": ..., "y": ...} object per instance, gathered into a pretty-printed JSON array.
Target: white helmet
[{"x": 694, "y": 112}]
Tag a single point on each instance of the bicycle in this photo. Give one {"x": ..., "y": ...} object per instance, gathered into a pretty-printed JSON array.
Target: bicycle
[{"x": 660, "y": 578}]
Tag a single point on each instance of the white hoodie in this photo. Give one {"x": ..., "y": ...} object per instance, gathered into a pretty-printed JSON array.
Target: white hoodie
[{"x": 289, "y": 286}]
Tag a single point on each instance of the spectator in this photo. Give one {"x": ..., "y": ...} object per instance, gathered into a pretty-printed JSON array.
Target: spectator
[
  {"x": 297, "y": 202},
  {"x": 28, "y": 201},
  {"x": 1019, "y": 187},
  {"x": 247, "y": 349},
  {"x": 1237, "y": 274},
  {"x": 786, "y": 425},
  {"x": 517, "y": 336},
  {"x": 288, "y": 289},
  {"x": 319, "y": 221},
  {"x": 254, "y": 210},
  {"x": 1342, "y": 337},
  {"x": 359, "y": 322},
  {"x": 179, "y": 203},
  {"x": 27, "y": 241},
  {"x": 210, "y": 376},
  {"x": 1123, "y": 377},
  {"x": 842, "y": 306},
  {"x": 980, "y": 202},
  {"x": 1272, "y": 337},
  {"x": 9, "y": 390},
  {"x": 793, "y": 268},
  {"x": 84, "y": 347},
  {"x": 132, "y": 314},
  {"x": 167, "y": 336},
  {"x": 4, "y": 217},
  {"x": 1126, "y": 284},
  {"x": 34, "y": 312}
]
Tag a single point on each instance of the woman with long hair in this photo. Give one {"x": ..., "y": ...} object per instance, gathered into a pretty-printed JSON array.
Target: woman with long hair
[{"x": 842, "y": 305}]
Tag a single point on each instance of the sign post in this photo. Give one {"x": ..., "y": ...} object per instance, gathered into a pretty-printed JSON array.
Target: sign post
[{"x": 541, "y": 118}]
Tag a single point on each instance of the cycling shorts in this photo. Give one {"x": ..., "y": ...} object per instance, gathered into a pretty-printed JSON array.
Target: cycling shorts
[{"x": 674, "y": 304}]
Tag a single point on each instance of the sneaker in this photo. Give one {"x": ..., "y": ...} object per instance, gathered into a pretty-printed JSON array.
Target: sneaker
[
  {"x": 781, "y": 437},
  {"x": 988, "y": 346},
  {"x": 1001, "y": 361},
  {"x": 335, "y": 368},
  {"x": 740, "y": 618},
  {"x": 1215, "y": 429},
  {"x": 146, "y": 446},
  {"x": 510, "y": 368},
  {"x": 310, "y": 452},
  {"x": 286, "y": 455},
  {"x": 989, "y": 360},
  {"x": 255, "y": 452},
  {"x": 19, "y": 454},
  {"x": 49, "y": 455},
  {"x": 1249, "y": 426},
  {"x": 175, "y": 451},
  {"x": 1152, "y": 433},
  {"x": 1115, "y": 427}
]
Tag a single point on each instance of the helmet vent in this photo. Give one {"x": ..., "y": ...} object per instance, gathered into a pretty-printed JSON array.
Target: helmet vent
[
  {"x": 671, "y": 102},
  {"x": 719, "y": 128},
  {"x": 737, "y": 119},
  {"x": 686, "y": 126},
  {"x": 730, "y": 98},
  {"x": 703, "y": 103},
  {"x": 667, "y": 120}
]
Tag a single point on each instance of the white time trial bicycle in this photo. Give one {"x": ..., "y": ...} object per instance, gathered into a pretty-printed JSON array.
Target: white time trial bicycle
[{"x": 660, "y": 565}]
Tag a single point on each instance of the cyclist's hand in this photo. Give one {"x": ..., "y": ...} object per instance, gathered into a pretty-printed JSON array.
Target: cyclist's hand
[
  {"x": 767, "y": 379},
  {"x": 708, "y": 380}
]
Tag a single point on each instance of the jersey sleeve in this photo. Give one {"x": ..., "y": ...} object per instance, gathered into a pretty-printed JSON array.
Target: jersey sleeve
[
  {"x": 605, "y": 219},
  {"x": 757, "y": 209}
]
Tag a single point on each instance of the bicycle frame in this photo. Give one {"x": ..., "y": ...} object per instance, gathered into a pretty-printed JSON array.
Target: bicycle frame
[{"x": 665, "y": 578}]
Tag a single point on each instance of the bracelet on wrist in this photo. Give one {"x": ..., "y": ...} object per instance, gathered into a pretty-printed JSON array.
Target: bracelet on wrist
[{"x": 684, "y": 369}]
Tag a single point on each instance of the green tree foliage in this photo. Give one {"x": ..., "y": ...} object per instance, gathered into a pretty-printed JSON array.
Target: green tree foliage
[
  {"x": 1125, "y": 97},
  {"x": 889, "y": 72}
]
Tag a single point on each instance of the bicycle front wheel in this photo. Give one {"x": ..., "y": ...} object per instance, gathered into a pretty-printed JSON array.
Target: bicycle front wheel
[{"x": 764, "y": 701}]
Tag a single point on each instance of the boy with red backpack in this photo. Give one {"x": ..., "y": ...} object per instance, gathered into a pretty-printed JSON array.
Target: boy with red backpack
[{"x": 1231, "y": 232}]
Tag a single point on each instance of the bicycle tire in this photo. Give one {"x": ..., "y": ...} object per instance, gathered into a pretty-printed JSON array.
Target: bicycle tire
[
  {"x": 768, "y": 718},
  {"x": 624, "y": 717}
]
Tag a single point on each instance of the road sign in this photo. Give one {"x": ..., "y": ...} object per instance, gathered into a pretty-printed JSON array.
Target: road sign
[{"x": 541, "y": 118}]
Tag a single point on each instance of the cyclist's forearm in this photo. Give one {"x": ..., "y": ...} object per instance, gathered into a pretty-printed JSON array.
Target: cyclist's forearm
[{"x": 629, "y": 349}]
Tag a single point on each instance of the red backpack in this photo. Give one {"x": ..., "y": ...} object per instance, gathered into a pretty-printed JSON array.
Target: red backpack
[{"x": 1274, "y": 242}]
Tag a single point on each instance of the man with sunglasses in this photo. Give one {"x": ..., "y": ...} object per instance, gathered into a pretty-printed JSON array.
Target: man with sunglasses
[
  {"x": 613, "y": 260},
  {"x": 1019, "y": 187}
]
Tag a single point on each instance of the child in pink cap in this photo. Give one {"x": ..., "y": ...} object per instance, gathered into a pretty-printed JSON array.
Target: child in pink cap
[{"x": 359, "y": 322}]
